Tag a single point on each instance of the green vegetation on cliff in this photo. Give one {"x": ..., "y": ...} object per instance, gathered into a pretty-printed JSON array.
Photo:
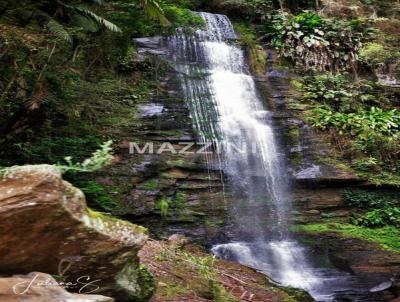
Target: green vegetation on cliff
[
  {"x": 387, "y": 237},
  {"x": 346, "y": 56},
  {"x": 70, "y": 75}
]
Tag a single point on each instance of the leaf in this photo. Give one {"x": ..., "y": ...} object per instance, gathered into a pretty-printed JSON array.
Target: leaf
[
  {"x": 87, "y": 24},
  {"x": 154, "y": 10},
  {"x": 58, "y": 30},
  {"x": 89, "y": 14}
]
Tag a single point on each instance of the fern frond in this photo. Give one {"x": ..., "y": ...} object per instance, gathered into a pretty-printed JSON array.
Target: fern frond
[
  {"x": 85, "y": 23},
  {"x": 58, "y": 30},
  {"x": 91, "y": 15},
  {"x": 154, "y": 10}
]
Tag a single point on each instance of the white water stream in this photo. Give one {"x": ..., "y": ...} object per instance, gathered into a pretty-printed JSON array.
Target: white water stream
[{"x": 226, "y": 108}]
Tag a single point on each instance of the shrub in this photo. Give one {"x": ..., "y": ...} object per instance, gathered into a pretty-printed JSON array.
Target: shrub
[
  {"x": 369, "y": 199},
  {"x": 380, "y": 218},
  {"x": 354, "y": 114},
  {"x": 314, "y": 42},
  {"x": 375, "y": 132},
  {"x": 98, "y": 160},
  {"x": 365, "y": 164},
  {"x": 338, "y": 91},
  {"x": 248, "y": 9},
  {"x": 363, "y": 123},
  {"x": 379, "y": 57}
]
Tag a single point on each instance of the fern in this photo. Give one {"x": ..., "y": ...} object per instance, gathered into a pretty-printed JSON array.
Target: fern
[
  {"x": 164, "y": 206},
  {"x": 91, "y": 15},
  {"x": 154, "y": 10},
  {"x": 58, "y": 30},
  {"x": 99, "y": 159},
  {"x": 85, "y": 23}
]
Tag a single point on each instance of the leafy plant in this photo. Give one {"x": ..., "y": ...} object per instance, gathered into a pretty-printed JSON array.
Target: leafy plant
[
  {"x": 338, "y": 91},
  {"x": 204, "y": 265},
  {"x": 314, "y": 42},
  {"x": 361, "y": 123},
  {"x": 249, "y": 9},
  {"x": 179, "y": 200},
  {"x": 354, "y": 114},
  {"x": 365, "y": 164},
  {"x": 99, "y": 159},
  {"x": 369, "y": 199},
  {"x": 381, "y": 58},
  {"x": 164, "y": 205},
  {"x": 379, "y": 218},
  {"x": 375, "y": 132}
]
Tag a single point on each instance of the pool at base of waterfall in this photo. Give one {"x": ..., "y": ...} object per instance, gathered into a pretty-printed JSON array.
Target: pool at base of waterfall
[{"x": 284, "y": 263}]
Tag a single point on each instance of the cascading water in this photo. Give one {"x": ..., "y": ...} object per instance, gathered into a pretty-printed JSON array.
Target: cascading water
[{"x": 227, "y": 111}]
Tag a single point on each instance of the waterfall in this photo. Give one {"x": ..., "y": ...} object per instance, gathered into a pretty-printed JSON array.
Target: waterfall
[{"x": 227, "y": 111}]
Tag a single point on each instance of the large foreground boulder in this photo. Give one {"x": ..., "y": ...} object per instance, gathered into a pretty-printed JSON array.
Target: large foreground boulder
[
  {"x": 46, "y": 227},
  {"x": 39, "y": 287}
]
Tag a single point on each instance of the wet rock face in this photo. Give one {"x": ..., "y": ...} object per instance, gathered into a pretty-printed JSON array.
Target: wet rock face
[
  {"x": 46, "y": 227},
  {"x": 310, "y": 155},
  {"x": 141, "y": 180},
  {"x": 150, "y": 45},
  {"x": 40, "y": 287},
  {"x": 375, "y": 268}
]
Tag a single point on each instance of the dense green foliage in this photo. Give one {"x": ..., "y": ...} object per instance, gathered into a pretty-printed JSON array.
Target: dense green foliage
[
  {"x": 99, "y": 159},
  {"x": 370, "y": 199},
  {"x": 383, "y": 207},
  {"x": 70, "y": 75},
  {"x": 250, "y": 10},
  {"x": 311, "y": 41},
  {"x": 71, "y": 78},
  {"x": 387, "y": 237},
  {"x": 347, "y": 54},
  {"x": 359, "y": 112},
  {"x": 379, "y": 218},
  {"x": 381, "y": 58},
  {"x": 364, "y": 125},
  {"x": 339, "y": 92}
]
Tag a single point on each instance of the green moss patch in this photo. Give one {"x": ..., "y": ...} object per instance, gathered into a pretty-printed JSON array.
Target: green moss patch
[{"x": 387, "y": 237}]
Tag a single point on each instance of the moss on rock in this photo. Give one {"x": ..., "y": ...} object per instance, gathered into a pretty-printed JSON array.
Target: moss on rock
[{"x": 386, "y": 237}]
